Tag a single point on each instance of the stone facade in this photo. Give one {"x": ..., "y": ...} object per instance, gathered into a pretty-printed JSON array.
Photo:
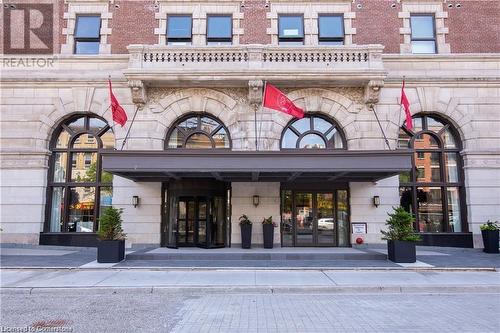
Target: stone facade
[{"x": 462, "y": 88}]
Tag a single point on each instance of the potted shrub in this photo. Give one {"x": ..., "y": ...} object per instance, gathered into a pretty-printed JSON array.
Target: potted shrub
[
  {"x": 111, "y": 245},
  {"x": 246, "y": 231},
  {"x": 268, "y": 229},
  {"x": 489, "y": 231},
  {"x": 400, "y": 236}
]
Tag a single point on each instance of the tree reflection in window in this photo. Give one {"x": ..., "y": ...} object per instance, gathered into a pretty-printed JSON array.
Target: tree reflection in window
[
  {"x": 312, "y": 132},
  {"x": 76, "y": 180},
  {"x": 433, "y": 191},
  {"x": 198, "y": 132}
]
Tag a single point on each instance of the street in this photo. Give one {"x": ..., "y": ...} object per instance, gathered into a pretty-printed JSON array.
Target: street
[{"x": 165, "y": 310}]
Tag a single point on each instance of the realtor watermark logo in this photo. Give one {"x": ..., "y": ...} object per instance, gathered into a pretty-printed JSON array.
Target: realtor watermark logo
[{"x": 28, "y": 35}]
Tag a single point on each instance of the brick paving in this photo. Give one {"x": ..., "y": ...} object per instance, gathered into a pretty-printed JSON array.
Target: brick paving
[{"x": 340, "y": 313}]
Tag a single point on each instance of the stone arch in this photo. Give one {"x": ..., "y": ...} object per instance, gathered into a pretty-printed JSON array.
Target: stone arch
[
  {"x": 84, "y": 100},
  {"x": 330, "y": 103},
  {"x": 195, "y": 100},
  {"x": 437, "y": 101}
]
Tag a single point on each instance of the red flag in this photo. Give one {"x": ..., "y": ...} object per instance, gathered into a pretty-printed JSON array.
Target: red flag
[
  {"x": 406, "y": 105},
  {"x": 276, "y": 100},
  {"x": 119, "y": 115}
]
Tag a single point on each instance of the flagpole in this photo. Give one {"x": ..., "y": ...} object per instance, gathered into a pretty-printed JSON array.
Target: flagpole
[
  {"x": 381, "y": 129},
  {"x": 128, "y": 131}
]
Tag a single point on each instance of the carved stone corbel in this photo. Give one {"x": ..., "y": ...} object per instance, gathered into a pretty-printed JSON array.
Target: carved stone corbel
[
  {"x": 372, "y": 92},
  {"x": 255, "y": 93},
  {"x": 139, "y": 95}
]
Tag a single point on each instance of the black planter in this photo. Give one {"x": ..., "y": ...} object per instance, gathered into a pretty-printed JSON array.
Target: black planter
[
  {"x": 268, "y": 230},
  {"x": 246, "y": 236},
  {"x": 109, "y": 251},
  {"x": 490, "y": 241},
  {"x": 401, "y": 251}
]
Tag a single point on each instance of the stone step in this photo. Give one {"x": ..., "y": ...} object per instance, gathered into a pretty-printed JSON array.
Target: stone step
[{"x": 227, "y": 256}]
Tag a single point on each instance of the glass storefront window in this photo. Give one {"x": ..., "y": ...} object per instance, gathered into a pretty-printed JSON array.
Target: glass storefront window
[
  {"x": 304, "y": 218},
  {"x": 343, "y": 218},
  {"x": 432, "y": 189},
  {"x": 286, "y": 218},
  {"x": 430, "y": 209},
  {"x": 72, "y": 192},
  {"x": 81, "y": 209}
]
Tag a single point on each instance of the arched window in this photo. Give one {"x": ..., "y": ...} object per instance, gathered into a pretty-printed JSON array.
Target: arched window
[
  {"x": 312, "y": 132},
  {"x": 433, "y": 191},
  {"x": 198, "y": 132},
  {"x": 77, "y": 187}
]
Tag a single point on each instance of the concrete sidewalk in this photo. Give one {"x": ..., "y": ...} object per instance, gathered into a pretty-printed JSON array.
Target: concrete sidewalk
[{"x": 252, "y": 280}]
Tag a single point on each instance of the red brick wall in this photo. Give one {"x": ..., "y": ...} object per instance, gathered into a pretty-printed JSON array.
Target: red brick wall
[
  {"x": 475, "y": 27},
  {"x": 377, "y": 23},
  {"x": 133, "y": 22},
  {"x": 255, "y": 23}
]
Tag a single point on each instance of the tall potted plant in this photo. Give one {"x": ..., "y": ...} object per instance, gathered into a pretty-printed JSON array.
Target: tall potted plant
[
  {"x": 400, "y": 236},
  {"x": 489, "y": 231},
  {"x": 268, "y": 230},
  {"x": 111, "y": 245},
  {"x": 246, "y": 231}
]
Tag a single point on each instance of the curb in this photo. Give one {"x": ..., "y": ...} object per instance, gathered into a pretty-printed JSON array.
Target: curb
[
  {"x": 419, "y": 289},
  {"x": 232, "y": 268}
]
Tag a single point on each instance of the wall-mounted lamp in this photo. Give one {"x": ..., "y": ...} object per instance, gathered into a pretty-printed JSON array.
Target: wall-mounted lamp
[
  {"x": 256, "y": 200},
  {"x": 135, "y": 201},
  {"x": 376, "y": 201}
]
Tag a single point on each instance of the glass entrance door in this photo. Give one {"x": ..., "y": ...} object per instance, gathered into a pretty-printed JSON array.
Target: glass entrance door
[{"x": 314, "y": 218}]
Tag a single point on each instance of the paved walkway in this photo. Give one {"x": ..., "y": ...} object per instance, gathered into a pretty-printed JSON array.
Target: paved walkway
[
  {"x": 258, "y": 280},
  {"x": 277, "y": 258}
]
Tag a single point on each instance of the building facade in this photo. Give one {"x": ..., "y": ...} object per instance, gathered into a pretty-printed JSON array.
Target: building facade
[{"x": 202, "y": 150}]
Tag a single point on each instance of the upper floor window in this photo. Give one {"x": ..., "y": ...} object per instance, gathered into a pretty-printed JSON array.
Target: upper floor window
[
  {"x": 198, "y": 132},
  {"x": 330, "y": 29},
  {"x": 423, "y": 33},
  {"x": 291, "y": 29},
  {"x": 314, "y": 132},
  {"x": 179, "y": 30},
  {"x": 87, "y": 34},
  {"x": 219, "y": 30}
]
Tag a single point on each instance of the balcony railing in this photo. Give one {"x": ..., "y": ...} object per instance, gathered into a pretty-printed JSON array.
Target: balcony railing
[{"x": 256, "y": 57}]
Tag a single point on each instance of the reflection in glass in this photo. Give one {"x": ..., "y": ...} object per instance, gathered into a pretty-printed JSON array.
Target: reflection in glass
[
  {"x": 62, "y": 139},
  {"x": 343, "y": 218},
  {"x": 454, "y": 209},
  {"x": 190, "y": 221},
  {"x": 221, "y": 139},
  {"x": 77, "y": 125},
  {"x": 302, "y": 125},
  {"x": 428, "y": 167},
  {"x": 83, "y": 167},
  {"x": 85, "y": 141},
  {"x": 106, "y": 198},
  {"x": 423, "y": 47},
  {"x": 81, "y": 209},
  {"x": 108, "y": 139},
  {"x": 96, "y": 124},
  {"x": 179, "y": 26},
  {"x": 331, "y": 26},
  {"x": 422, "y": 26},
  {"x": 289, "y": 139},
  {"x": 405, "y": 198},
  {"x": 321, "y": 125},
  {"x": 199, "y": 141},
  {"x": 450, "y": 160},
  {"x": 189, "y": 124},
  {"x": 304, "y": 218},
  {"x": 202, "y": 222},
  {"x": 405, "y": 177},
  {"x": 208, "y": 125},
  {"x": 176, "y": 139},
  {"x": 448, "y": 139},
  {"x": 326, "y": 220},
  {"x": 425, "y": 141},
  {"x": 291, "y": 26},
  {"x": 60, "y": 162},
  {"x": 430, "y": 209},
  {"x": 217, "y": 228},
  {"x": 312, "y": 141},
  {"x": 219, "y": 26},
  {"x": 434, "y": 124},
  {"x": 57, "y": 209},
  {"x": 286, "y": 219}
]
